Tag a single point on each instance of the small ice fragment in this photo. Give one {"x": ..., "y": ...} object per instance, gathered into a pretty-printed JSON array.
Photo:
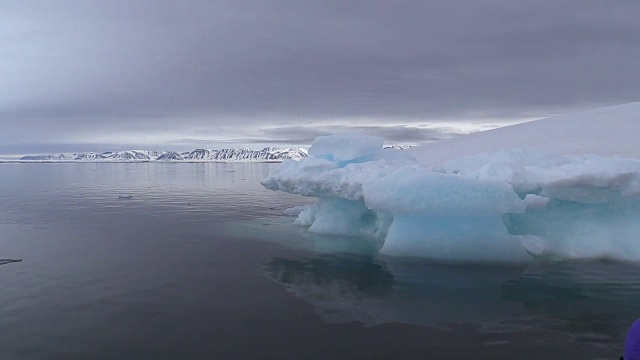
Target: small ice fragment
[
  {"x": 535, "y": 245},
  {"x": 294, "y": 211},
  {"x": 535, "y": 201}
]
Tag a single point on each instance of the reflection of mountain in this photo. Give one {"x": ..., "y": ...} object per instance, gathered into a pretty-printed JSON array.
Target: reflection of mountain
[{"x": 593, "y": 301}]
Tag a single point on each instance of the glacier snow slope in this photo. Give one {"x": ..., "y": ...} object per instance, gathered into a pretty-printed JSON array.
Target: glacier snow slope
[
  {"x": 610, "y": 131},
  {"x": 562, "y": 187}
]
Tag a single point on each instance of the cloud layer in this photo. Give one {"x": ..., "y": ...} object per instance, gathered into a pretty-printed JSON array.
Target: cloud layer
[{"x": 105, "y": 72}]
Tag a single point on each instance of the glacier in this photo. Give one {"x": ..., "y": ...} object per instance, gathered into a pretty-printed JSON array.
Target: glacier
[{"x": 564, "y": 187}]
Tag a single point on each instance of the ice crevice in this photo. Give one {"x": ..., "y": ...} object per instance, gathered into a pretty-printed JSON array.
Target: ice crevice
[{"x": 509, "y": 205}]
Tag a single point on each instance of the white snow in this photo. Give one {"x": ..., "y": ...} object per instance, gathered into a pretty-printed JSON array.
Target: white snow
[
  {"x": 561, "y": 187},
  {"x": 610, "y": 131}
]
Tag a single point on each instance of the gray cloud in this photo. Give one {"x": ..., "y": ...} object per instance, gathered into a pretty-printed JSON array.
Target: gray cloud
[
  {"x": 399, "y": 134},
  {"x": 75, "y": 70}
]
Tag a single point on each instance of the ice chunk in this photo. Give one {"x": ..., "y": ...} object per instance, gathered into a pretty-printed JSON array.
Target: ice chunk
[
  {"x": 582, "y": 231},
  {"x": 453, "y": 238},
  {"x": 418, "y": 191},
  {"x": 535, "y": 202},
  {"x": 510, "y": 205},
  {"x": 308, "y": 216},
  {"x": 336, "y": 216},
  {"x": 535, "y": 245},
  {"x": 295, "y": 211}
]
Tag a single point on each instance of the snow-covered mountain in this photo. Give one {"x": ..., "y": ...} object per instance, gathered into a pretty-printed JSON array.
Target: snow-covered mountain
[
  {"x": 170, "y": 156},
  {"x": 269, "y": 154},
  {"x": 130, "y": 155},
  {"x": 399, "y": 147},
  {"x": 53, "y": 157},
  {"x": 266, "y": 154}
]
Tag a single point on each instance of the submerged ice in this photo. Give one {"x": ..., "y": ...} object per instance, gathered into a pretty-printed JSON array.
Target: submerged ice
[{"x": 510, "y": 205}]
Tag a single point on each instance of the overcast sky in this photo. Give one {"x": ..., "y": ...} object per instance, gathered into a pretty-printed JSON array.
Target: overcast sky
[{"x": 154, "y": 74}]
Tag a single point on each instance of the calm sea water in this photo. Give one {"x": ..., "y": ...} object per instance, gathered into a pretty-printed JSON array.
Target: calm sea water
[{"x": 195, "y": 261}]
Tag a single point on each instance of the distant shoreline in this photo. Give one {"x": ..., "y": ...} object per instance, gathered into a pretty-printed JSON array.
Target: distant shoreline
[{"x": 8, "y": 161}]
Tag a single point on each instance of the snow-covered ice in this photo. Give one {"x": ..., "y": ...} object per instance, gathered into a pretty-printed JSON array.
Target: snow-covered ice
[{"x": 562, "y": 187}]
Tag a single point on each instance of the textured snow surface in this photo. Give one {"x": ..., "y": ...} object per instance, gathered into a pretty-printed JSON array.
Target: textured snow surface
[
  {"x": 611, "y": 131},
  {"x": 562, "y": 187}
]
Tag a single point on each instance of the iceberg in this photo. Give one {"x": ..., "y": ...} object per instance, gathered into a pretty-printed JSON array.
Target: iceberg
[{"x": 565, "y": 187}]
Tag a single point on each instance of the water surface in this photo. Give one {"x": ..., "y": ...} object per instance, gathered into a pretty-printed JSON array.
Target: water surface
[{"x": 195, "y": 261}]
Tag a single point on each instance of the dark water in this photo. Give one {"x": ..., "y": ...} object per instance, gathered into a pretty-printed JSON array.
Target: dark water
[{"x": 200, "y": 264}]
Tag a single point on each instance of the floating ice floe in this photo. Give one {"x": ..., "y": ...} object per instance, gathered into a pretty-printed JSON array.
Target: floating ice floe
[
  {"x": 561, "y": 187},
  {"x": 294, "y": 211}
]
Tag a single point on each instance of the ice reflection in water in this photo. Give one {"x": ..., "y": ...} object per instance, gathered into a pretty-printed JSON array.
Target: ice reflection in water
[{"x": 590, "y": 301}]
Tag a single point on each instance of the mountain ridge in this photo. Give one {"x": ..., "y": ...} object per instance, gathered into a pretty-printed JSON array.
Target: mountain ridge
[{"x": 268, "y": 154}]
